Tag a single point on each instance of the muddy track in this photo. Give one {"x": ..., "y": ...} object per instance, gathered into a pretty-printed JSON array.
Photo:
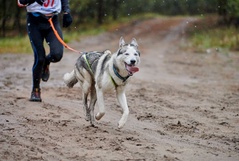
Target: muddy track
[{"x": 183, "y": 105}]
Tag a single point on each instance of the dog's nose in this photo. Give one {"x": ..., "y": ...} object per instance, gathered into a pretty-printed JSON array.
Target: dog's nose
[{"x": 132, "y": 62}]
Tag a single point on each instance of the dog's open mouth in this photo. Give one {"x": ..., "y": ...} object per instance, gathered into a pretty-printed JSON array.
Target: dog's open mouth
[{"x": 131, "y": 68}]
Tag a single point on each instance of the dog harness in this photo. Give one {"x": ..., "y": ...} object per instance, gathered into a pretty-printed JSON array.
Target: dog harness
[
  {"x": 91, "y": 60},
  {"x": 87, "y": 63},
  {"x": 114, "y": 83}
]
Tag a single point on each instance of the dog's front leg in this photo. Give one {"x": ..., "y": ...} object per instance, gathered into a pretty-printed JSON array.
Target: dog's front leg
[
  {"x": 123, "y": 103},
  {"x": 100, "y": 102}
]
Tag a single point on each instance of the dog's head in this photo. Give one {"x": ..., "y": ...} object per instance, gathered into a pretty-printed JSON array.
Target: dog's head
[{"x": 128, "y": 56}]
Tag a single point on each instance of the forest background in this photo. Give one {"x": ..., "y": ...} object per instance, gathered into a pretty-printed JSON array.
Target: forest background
[{"x": 93, "y": 14}]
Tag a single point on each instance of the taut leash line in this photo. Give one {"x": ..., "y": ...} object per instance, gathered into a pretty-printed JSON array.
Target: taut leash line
[{"x": 59, "y": 38}]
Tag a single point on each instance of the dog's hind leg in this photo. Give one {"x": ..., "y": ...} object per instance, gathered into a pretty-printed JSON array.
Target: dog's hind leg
[
  {"x": 92, "y": 104},
  {"x": 85, "y": 86},
  {"x": 85, "y": 106},
  {"x": 123, "y": 103}
]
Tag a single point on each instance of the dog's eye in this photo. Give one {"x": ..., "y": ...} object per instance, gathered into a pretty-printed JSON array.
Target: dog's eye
[
  {"x": 135, "y": 54},
  {"x": 126, "y": 54}
]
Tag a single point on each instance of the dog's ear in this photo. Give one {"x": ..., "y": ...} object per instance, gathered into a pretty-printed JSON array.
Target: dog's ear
[
  {"x": 121, "y": 42},
  {"x": 134, "y": 42}
]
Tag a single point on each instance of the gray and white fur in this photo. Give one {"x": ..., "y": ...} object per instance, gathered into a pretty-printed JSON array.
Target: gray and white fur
[{"x": 98, "y": 72}]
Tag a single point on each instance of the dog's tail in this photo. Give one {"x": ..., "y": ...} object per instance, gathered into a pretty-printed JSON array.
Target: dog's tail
[{"x": 70, "y": 79}]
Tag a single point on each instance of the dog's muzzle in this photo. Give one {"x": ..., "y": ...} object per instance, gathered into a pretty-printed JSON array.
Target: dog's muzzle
[{"x": 131, "y": 68}]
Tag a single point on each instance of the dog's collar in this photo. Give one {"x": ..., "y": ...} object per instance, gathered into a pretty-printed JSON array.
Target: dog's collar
[{"x": 118, "y": 75}]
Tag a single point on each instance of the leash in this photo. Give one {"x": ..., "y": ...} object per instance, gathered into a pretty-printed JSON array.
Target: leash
[{"x": 59, "y": 38}]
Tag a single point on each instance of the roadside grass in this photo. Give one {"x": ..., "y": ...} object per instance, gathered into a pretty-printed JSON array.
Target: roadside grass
[
  {"x": 223, "y": 37},
  {"x": 18, "y": 44},
  {"x": 207, "y": 34},
  {"x": 203, "y": 35},
  {"x": 89, "y": 29},
  {"x": 21, "y": 44}
]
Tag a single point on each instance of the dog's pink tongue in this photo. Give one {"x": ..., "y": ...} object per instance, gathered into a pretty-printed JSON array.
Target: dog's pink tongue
[{"x": 133, "y": 69}]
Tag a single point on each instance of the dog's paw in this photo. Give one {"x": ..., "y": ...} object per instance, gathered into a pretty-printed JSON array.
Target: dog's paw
[
  {"x": 99, "y": 115},
  {"x": 94, "y": 126},
  {"x": 120, "y": 124},
  {"x": 87, "y": 118}
]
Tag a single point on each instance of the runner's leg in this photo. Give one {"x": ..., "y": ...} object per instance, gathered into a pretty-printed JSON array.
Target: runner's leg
[
  {"x": 36, "y": 38},
  {"x": 56, "y": 48}
]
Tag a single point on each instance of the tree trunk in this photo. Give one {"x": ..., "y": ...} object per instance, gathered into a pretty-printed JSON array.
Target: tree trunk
[
  {"x": 17, "y": 23},
  {"x": 100, "y": 11},
  {"x": 115, "y": 8},
  {"x": 4, "y": 19},
  {"x": 222, "y": 11}
]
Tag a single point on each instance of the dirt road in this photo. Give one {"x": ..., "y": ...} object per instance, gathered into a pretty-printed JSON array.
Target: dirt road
[{"x": 183, "y": 105}]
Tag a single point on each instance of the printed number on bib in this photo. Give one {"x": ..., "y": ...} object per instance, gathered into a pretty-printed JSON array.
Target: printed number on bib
[{"x": 49, "y": 3}]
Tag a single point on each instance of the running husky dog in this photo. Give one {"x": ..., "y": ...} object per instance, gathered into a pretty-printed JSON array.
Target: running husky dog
[{"x": 98, "y": 72}]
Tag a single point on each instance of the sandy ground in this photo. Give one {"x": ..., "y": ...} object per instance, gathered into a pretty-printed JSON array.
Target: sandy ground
[{"x": 184, "y": 106}]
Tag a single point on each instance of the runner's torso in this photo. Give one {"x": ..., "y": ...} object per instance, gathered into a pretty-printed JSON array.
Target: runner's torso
[{"x": 49, "y": 6}]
